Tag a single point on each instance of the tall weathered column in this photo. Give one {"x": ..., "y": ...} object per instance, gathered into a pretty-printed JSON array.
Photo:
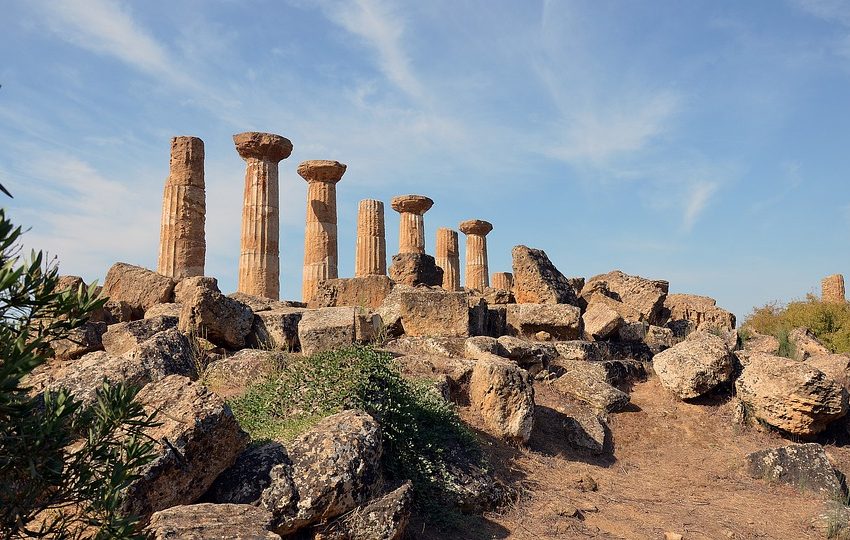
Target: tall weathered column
[
  {"x": 411, "y": 227},
  {"x": 832, "y": 289},
  {"x": 477, "y": 274},
  {"x": 259, "y": 259},
  {"x": 502, "y": 280},
  {"x": 320, "y": 239},
  {"x": 448, "y": 258},
  {"x": 182, "y": 246},
  {"x": 370, "y": 258}
]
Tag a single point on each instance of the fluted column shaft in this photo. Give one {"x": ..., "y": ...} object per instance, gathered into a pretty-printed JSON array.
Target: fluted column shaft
[
  {"x": 502, "y": 280},
  {"x": 832, "y": 289},
  {"x": 371, "y": 252},
  {"x": 320, "y": 238},
  {"x": 448, "y": 258},
  {"x": 259, "y": 260},
  {"x": 182, "y": 245},
  {"x": 477, "y": 273},
  {"x": 411, "y": 233},
  {"x": 259, "y": 257}
]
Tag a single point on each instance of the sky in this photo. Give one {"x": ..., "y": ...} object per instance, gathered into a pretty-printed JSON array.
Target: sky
[{"x": 703, "y": 142}]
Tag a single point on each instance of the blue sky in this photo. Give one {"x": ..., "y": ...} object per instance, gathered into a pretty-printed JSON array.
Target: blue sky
[{"x": 706, "y": 143}]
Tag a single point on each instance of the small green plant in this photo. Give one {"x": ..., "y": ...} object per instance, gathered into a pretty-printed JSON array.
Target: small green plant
[
  {"x": 786, "y": 344},
  {"x": 63, "y": 465},
  {"x": 422, "y": 433}
]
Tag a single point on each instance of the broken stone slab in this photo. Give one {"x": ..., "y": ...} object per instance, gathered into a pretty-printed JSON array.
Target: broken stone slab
[
  {"x": 325, "y": 329},
  {"x": 442, "y": 346},
  {"x": 139, "y": 287},
  {"x": 501, "y": 392},
  {"x": 835, "y": 366},
  {"x": 217, "y": 318},
  {"x": 422, "y": 311},
  {"x": 537, "y": 281},
  {"x": 367, "y": 292},
  {"x": 171, "y": 309},
  {"x": 186, "y": 287},
  {"x": 644, "y": 295},
  {"x": 414, "y": 269},
  {"x": 806, "y": 344},
  {"x": 804, "y": 466},
  {"x": 166, "y": 353},
  {"x": 122, "y": 337},
  {"x": 587, "y": 382},
  {"x": 695, "y": 367},
  {"x": 761, "y": 343},
  {"x": 561, "y": 321},
  {"x": 276, "y": 329},
  {"x": 258, "y": 303},
  {"x": 600, "y": 320},
  {"x": 790, "y": 395},
  {"x": 482, "y": 346},
  {"x": 701, "y": 311},
  {"x": 586, "y": 431},
  {"x": 245, "y": 480},
  {"x": 198, "y": 438},
  {"x": 335, "y": 467},
  {"x": 205, "y": 521},
  {"x": 383, "y": 518},
  {"x": 531, "y": 356},
  {"x": 81, "y": 340}
]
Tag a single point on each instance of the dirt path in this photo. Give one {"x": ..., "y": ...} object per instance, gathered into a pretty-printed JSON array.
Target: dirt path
[{"x": 675, "y": 467}]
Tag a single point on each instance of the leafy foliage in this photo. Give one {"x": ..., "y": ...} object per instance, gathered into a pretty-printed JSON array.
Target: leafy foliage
[
  {"x": 63, "y": 464},
  {"x": 422, "y": 433},
  {"x": 829, "y": 321}
]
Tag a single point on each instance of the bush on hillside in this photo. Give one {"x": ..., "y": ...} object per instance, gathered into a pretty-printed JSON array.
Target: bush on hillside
[
  {"x": 63, "y": 465},
  {"x": 830, "y": 322},
  {"x": 423, "y": 436}
]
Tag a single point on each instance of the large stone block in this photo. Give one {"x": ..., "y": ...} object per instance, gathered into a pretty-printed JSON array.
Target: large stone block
[
  {"x": 502, "y": 394},
  {"x": 701, "y": 311},
  {"x": 122, "y": 337},
  {"x": 804, "y": 466},
  {"x": 206, "y": 521},
  {"x": 139, "y": 287},
  {"x": 197, "y": 440},
  {"x": 217, "y": 318},
  {"x": 694, "y": 367},
  {"x": 276, "y": 329},
  {"x": 421, "y": 311},
  {"x": 790, "y": 395},
  {"x": 367, "y": 292},
  {"x": 644, "y": 295},
  {"x": 537, "y": 281},
  {"x": 415, "y": 269},
  {"x": 330, "y": 328},
  {"x": 561, "y": 321}
]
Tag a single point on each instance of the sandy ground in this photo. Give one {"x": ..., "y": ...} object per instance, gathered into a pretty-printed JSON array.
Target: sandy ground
[{"x": 673, "y": 467}]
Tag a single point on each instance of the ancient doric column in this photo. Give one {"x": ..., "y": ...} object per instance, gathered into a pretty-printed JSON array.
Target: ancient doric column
[
  {"x": 182, "y": 246},
  {"x": 411, "y": 227},
  {"x": 832, "y": 289},
  {"x": 477, "y": 274},
  {"x": 320, "y": 240},
  {"x": 502, "y": 280},
  {"x": 259, "y": 259},
  {"x": 448, "y": 258},
  {"x": 370, "y": 259}
]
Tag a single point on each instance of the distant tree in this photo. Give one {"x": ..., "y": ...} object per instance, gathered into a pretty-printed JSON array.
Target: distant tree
[{"x": 63, "y": 465}]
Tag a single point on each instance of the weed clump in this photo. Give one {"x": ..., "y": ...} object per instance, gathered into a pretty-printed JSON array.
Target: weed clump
[
  {"x": 829, "y": 321},
  {"x": 424, "y": 439}
]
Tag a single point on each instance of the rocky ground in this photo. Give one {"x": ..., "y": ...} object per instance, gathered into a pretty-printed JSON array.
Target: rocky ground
[{"x": 606, "y": 408}]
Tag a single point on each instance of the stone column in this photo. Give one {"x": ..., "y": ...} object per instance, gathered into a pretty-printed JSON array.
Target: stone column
[
  {"x": 182, "y": 246},
  {"x": 448, "y": 258},
  {"x": 503, "y": 280},
  {"x": 832, "y": 289},
  {"x": 477, "y": 274},
  {"x": 259, "y": 258},
  {"x": 320, "y": 239},
  {"x": 370, "y": 258},
  {"x": 411, "y": 227}
]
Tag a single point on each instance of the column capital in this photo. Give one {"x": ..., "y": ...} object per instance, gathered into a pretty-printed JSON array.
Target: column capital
[
  {"x": 321, "y": 170},
  {"x": 263, "y": 146},
  {"x": 413, "y": 204},
  {"x": 475, "y": 226}
]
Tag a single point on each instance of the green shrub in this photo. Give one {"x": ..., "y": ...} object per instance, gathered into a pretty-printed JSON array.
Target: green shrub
[
  {"x": 830, "y": 322},
  {"x": 422, "y": 433},
  {"x": 63, "y": 465}
]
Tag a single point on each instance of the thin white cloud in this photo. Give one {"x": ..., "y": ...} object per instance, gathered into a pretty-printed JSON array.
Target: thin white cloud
[
  {"x": 383, "y": 30},
  {"x": 696, "y": 201},
  {"x": 829, "y": 10}
]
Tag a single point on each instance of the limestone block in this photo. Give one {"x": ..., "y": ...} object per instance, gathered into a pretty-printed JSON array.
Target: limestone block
[
  {"x": 562, "y": 321},
  {"x": 421, "y": 311},
  {"x": 537, "y": 281}
]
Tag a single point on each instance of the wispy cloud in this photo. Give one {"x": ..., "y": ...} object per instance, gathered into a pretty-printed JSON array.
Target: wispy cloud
[
  {"x": 830, "y": 10},
  {"x": 383, "y": 30},
  {"x": 696, "y": 201}
]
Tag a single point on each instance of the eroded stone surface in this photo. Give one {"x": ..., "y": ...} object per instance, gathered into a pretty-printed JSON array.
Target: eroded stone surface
[
  {"x": 561, "y": 321},
  {"x": 644, "y": 295},
  {"x": 421, "y": 311},
  {"x": 694, "y": 367},
  {"x": 701, "y": 311},
  {"x": 383, "y": 518},
  {"x": 415, "y": 269},
  {"x": 503, "y": 395},
  {"x": 139, "y": 287},
  {"x": 122, "y": 337},
  {"x": 537, "y": 281},
  {"x": 804, "y": 466},
  {"x": 366, "y": 292},
  {"x": 832, "y": 289},
  {"x": 217, "y": 318},
  {"x": 206, "y": 521}
]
